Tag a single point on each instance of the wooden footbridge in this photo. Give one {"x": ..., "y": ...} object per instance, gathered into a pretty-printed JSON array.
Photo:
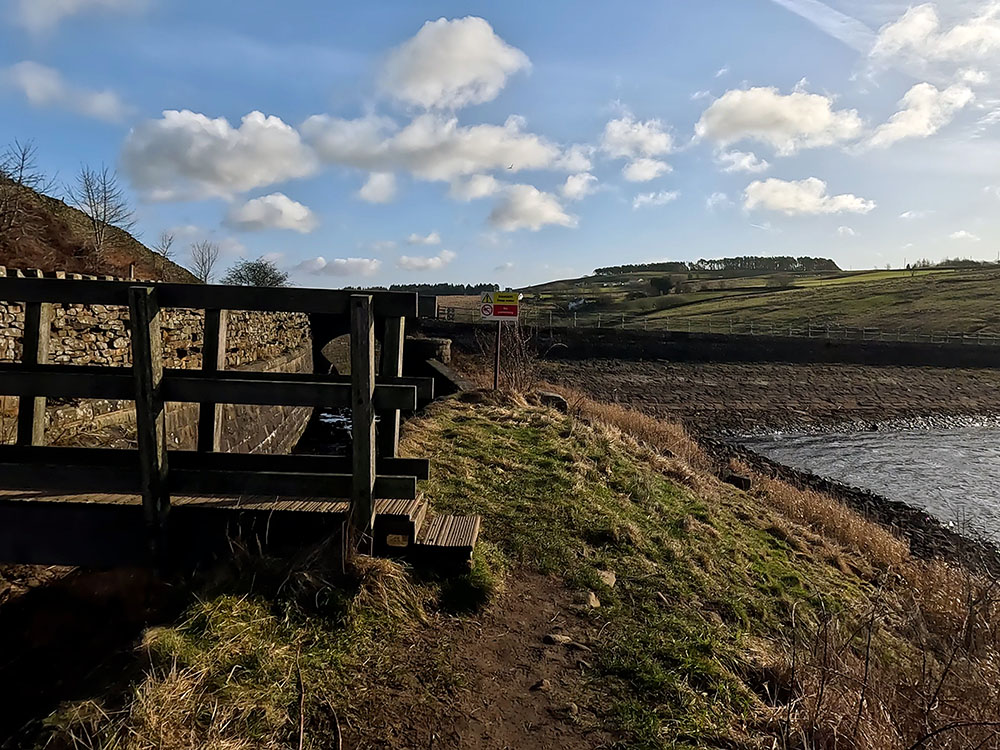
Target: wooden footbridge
[{"x": 105, "y": 507}]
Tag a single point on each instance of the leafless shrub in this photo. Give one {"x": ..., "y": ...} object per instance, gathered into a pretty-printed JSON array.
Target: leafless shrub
[
  {"x": 518, "y": 356},
  {"x": 97, "y": 193},
  {"x": 165, "y": 245},
  {"x": 19, "y": 170},
  {"x": 204, "y": 256}
]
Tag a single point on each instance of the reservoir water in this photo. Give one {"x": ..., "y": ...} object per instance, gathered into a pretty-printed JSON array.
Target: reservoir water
[{"x": 952, "y": 473}]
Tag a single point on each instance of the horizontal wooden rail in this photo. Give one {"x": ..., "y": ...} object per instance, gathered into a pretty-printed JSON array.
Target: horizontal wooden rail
[
  {"x": 114, "y": 459},
  {"x": 228, "y": 387},
  {"x": 201, "y": 296},
  {"x": 321, "y": 487}
]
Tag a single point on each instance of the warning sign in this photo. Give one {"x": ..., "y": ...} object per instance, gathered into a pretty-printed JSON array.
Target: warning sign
[{"x": 499, "y": 305}]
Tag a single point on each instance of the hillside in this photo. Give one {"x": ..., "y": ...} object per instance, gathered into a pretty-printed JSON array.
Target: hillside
[
  {"x": 53, "y": 236},
  {"x": 622, "y": 597},
  {"x": 928, "y": 300}
]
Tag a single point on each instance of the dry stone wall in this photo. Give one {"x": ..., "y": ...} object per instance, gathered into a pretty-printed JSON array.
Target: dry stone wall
[{"x": 99, "y": 335}]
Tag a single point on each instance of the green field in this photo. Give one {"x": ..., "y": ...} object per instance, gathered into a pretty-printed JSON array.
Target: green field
[{"x": 966, "y": 301}]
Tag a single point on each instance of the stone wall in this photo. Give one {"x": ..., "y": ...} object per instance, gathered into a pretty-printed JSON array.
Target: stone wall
[
  {"x": 99, "y": 335},
  {"x": 679, "y": 346}
]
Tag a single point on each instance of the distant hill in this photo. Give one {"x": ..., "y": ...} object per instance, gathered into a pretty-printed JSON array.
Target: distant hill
[{"x": 53, "y": 236}]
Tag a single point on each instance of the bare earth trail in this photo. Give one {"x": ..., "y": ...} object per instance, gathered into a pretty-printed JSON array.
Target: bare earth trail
[{"x": 754, "y": 396}]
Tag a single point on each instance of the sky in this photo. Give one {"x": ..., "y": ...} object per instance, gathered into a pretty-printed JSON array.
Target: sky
[{"x": 517, "y": 142}]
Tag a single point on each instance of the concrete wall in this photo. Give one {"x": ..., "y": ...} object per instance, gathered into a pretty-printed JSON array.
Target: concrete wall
[{"x": 612, "y": 343}]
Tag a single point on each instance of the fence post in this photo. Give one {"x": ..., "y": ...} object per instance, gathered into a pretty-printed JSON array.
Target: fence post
[
  {"x": 574, "y": 318},
  {"x": 362, "y": 512},
  {"x": 598, "y": 320},
  {"x": 391, "y": 366},
  {"x": 151, "y": 433},
  {"x": 213, "y": 359},
  {"x": 623, "y": 321},
  {"x": 730, "y": 326},
  {"x": 34, "y": 351}
]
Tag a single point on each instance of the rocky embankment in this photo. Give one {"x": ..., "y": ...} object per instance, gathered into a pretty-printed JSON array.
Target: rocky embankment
[{"x": 740, "y": 398}]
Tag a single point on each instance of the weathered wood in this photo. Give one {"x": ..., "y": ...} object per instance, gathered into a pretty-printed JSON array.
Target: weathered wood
[
  {"x": 318, "y": 487},
  {"x": 391, "y": 366},
  {"x": 362, "y": 418},
  {"x": 151, "y": 433},
  {"x": 113, "y": 460},
  {"x": 203, "y": 296},
  {"x": 231, "y": 386},
  {"x": 213, "y": 360},
  {"x": 35, "y": 351}
]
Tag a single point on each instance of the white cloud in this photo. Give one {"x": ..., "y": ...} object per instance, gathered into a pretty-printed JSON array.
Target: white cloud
[
  {"x": 846, "y": 232},
  {"x": 186, "y": 155},
  {"x": 787, "y": 122},
  {"x": 45, "y": 87},
  {"x": 431, "y": 147},
  {"x": 703, "y": 94},
  {"x": 628, "y": 138},
  {"x": 274, "y": 211},
  {"x": 380, "y": 187},
  {"x": 578, "y": 186},
  {"x": 913, "y": 215},
  {"x": 424, "y": 239},
  {"x": 380, "y": 246},
  {"x": 644, "y": 170},
  {"x": 42, "y": 15},
  {"x": 451, "y": 64},
  {"x": 722, "y": 71},
  {"x": 807, "y": 196},
  {"x": 504, "y": 267},
  {"x": 838, "y": 25},
  {"x": 527, "y": 207},
  {"x": 717, "y": 200},
  {"x": 741, "y": 161},
  {"x": 974, "y": 77},
  {"x": 576, "y": 158},
  {"x": 654, "y": 199},
  {"x": 963, "y": 234},
  {"x": 474, "y": 187},
  {"x": 918, "y": 35},
  {"x": 433, "y": 263},
  {"x": 924, "y": 111},
  {"x": 340, "y": 266}
]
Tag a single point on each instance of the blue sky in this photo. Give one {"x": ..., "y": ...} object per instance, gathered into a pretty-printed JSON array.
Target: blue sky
[{"x": 515, "y": 142}]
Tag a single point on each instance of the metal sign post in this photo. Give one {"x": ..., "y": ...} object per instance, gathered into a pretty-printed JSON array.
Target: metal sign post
[{"x": 499, "y": 306}]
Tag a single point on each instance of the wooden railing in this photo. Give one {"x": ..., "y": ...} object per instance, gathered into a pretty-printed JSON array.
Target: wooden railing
[{"x": 371, "y": 472}]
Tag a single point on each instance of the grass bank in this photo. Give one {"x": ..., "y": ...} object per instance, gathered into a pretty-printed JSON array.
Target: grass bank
[{"x": 697, "y": 615}]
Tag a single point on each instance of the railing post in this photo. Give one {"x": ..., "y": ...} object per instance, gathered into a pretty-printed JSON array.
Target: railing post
[
  {"x": 34, "y": 351},
  {"x": 213, "y": 360},
  {"x": 151, "y": 433},
  {"x": 391, "y": 366},
  {"x": 362, "y": 513}
]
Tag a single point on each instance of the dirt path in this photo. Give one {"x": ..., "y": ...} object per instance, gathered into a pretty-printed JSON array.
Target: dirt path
[{"x": 523, "y": 692}]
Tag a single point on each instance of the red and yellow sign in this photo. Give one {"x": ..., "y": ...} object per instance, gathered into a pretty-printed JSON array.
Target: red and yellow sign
[{"x": 499, "y": 305}]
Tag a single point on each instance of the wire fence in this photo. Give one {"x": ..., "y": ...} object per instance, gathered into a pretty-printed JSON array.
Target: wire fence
[{"x": 727, "y": 326}]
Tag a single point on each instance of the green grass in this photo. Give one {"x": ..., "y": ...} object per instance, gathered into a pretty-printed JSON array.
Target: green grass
[
  {"x": 696, "y": 577},
  {"x": 965, "y": 301},
  {"x": 706, "y": 576}
]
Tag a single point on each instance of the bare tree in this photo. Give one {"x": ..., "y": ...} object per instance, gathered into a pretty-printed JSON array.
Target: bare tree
[
  {"x": 19, "y": 170},
  {"x": 98, "y": 194},
  {"x": 204, "y": 256},
  {"x": 165, "y": 245}
]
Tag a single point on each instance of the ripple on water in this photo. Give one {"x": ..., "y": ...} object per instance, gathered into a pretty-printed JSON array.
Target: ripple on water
[{"x": 952, "y": 473}]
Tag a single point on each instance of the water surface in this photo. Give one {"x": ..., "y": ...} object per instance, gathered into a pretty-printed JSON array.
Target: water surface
[{"x": 952, "y": 473}]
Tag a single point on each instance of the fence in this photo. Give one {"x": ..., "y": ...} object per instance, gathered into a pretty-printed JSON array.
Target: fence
[
  {"x": 371, "y": 472},
  {"x": 543, "y": 318}
]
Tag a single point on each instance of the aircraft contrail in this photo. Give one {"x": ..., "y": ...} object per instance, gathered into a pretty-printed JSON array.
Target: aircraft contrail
[{"x": 839, "y": 25}]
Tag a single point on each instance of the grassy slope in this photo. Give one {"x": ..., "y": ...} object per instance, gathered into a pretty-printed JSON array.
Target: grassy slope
[
  {"x": 56, "y": 238},
  {"x": 964, "y": 301},
  {"x": 687, "y": 645}
]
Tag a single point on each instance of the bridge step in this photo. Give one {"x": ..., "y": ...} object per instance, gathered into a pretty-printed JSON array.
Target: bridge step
[
  {"x": 448, "y": 540},
  {"x": 397, "y": 523}
]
